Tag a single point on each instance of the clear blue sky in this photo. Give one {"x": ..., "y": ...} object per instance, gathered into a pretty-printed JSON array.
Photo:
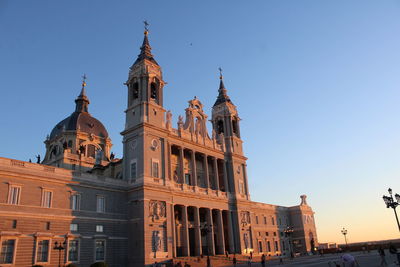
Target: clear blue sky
[{"x": 316, "y": 84}]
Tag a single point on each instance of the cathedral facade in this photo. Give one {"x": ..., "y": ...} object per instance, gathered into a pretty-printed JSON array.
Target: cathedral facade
[{"x": 176, "y": 192}]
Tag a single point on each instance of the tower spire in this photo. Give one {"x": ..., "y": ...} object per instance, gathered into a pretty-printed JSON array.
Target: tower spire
[
  {"x": 82, "y": 101},
  {"x": 222, "y": 95},
  {"x": 145, "y": 49}
]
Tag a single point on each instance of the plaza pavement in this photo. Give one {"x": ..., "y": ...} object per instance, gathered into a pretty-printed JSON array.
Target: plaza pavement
[{"x": 371, "y": 259}]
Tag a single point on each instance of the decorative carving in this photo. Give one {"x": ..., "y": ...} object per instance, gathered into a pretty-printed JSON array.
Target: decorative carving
[
  {"x": 157, "y": 210},
  {"x": 133, "y": 144},
  {"x": 180, "y": 121},
  {"x": 157, "y": 241},
  {"x": 303, "y": 200},
  {"x": 168, "y": 116},
  {"x": 244, "y": 218},
  {"x": 154, "y": 144}
]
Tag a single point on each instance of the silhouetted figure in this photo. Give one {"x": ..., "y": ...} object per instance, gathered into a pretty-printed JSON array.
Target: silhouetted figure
[
  {"x": 38, "y": 159},
  {"x": 112, "y": 156},
  {"x": 30, "y": 160},
  {"x": 186, "y": 264},
  {"x": 234, "y": 261},
  {"x": 208, "y": 261},
  {"x": 226, "y": 254},
  {"x": 263, "y": 260},
  {"x": 249, "y": 261},
  {"x": 251, "y": 254}
]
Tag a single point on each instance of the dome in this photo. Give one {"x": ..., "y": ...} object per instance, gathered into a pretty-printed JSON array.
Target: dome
[{"x": 82, "y": 121}]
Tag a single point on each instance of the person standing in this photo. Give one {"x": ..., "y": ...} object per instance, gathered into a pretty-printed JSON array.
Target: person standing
[
  {"x": 208, "y": 261},
  {"x": 381, "y": 253},
  {"x": 263, "y": 260},
  {"x": 249, "y": 262},
  {"x": 234, "y": 261}
]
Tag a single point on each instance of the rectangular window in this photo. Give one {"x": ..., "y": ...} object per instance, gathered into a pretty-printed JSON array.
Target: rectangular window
[
  {"x": 99, "y": 228},
  {"x": 76, "y": 202},
  {"x": 276, "y": 246},
  {"x": 280, "y": 221},
  {"x": 73, "y": 227},
  {"x": 265, "y": 220},
  {"x": 187, "y": 178},
  {"x": 42, "y": 251},
  {"x": 274, "y": 233},
  {"x": 101, "y": 204},
  {"x": 260, "y": 246},
  {"x": 47, "y": 225},
  {"x": 73, "y": 250},
  {"x": 269, "y": 246},
  {"x": 256, "y": 219},
  {"x": 14, "y": 195},
  {"x": 47, "y": 197},
  {"x": 100, "y": 247},
  {"x": 273, "y": 220},
  {"x": 154, "y": 168},
  {"x": 7, "y": 251},
  {"x": 266, "y": 233},
  {"x": 14, "y": 224},
  {"x": 133, "y": 170}
]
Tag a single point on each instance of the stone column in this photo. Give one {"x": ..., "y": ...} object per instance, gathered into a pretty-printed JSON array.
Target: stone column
[
  {"x": 173, "y": 228},
  {"x": 220, "y": 236},
  {"x": 206, "y": 176},
  {"x": 197, "y": 232},
  {"x": 210, "y": 235},
  {"x": 216, "y": 174},
  {"x": 194, "y": 171},
  {"x": 186, "y": 248},
  {"x": 230, "y": 232},
  {"x": 182, "y": 166},
  {"x": 227, "y": 189}
]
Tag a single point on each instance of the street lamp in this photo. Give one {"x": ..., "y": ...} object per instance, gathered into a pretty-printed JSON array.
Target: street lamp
[
  {"x": 390, "y": 203},
  {"x": 344, "y": 233},
  {"x": 59, "y": 248},
  {"x": 288, "y": 233}
]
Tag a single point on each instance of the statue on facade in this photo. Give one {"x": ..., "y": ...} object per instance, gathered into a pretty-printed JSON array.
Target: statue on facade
[
  {"x": 157, "y": 210},
  {"x": 180, "y": 121},
  {"x": 38, "y": 159},
  {"x": 99, "y": 156},
  {"x": 168, "y": 116}
]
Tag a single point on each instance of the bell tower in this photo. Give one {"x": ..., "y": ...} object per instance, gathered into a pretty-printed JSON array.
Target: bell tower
[
  {"x": 225, "y": 121},
  {"x": 145, "y": 89}
]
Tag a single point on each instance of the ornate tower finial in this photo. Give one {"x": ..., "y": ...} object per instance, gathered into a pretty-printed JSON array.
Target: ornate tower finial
[
  {"x": 83, "y": 92},
  {"x": 146, "y": 27},
  {"x": 220, "y": 73},
  {"x": 82, "y": 101}
]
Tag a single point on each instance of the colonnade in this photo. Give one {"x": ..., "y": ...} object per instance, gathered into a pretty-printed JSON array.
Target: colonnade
[
  {"x": 202, "y": 231},
  {"x": 191, "y": 176}
]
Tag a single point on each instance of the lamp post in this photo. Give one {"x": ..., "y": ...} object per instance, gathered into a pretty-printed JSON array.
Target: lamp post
[
  {"x": 344, "y": 233},
  {"x": 59, "y": 247},
  {"x": 390, "y": 203},
  {"x": 288, "y": 233}
]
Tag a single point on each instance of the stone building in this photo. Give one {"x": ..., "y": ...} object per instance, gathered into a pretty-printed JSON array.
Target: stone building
[{"x": 176, "y": 191}]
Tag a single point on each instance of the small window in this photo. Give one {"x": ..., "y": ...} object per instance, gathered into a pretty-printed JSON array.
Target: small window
[
  {"x": 274, "y": 233},
  {"x": 73, "y": 227},
  {"x": 269, "y": 246},
  {"x": 99, "y": 228},
  {"x": 76, "y": 202},
  {"x": 265, "y": 220},
  {"x": 42, "y": 251},
  {"x": 47, "y": 197},
  {"x": 260, "y": 249},
  {"x": 154, "y": 168},
  {"x": 101, "y": 204},
  {"x": 273, "y": 220},
  {"x": 220, "y": 127},
  {"x": 14, "y": 224},
  {"x": 47, "y": 225},
  {"x": 73, "y": 250},
  {"x": 7, "y": 251},
  {"x": 100, "y": 248},
  {"x": 187, "y": 178},
  {"x": 135, "y": 91},
  {"x": 14, "y": 194},
  {"x": 91, "y": 151},
  {"x": 133, "y": 170},
  {"x": 259, "y": 233},
  {"x": 256, "y": 219},
  {"x": 266, "y": 234}
]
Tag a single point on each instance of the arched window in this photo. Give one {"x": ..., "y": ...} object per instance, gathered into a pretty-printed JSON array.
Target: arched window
[
  {"x": 135, "y": 91},
  {"x": 91, "y": 151},
  {"x": 153, "y": 92},
  {"x": 220, "y": 126}
]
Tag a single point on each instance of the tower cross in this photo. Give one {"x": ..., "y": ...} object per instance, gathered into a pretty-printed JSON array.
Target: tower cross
[
  {"x": 220, "y": 72},
  {"x": 84, "y": 80},
  {"x": 146, "y": 25}
]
